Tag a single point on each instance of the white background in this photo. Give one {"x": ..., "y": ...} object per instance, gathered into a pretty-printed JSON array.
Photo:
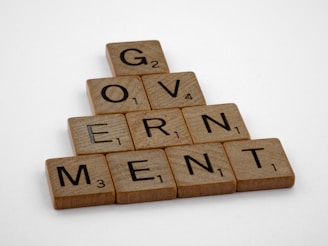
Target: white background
[{"x": 268, "y": 57}]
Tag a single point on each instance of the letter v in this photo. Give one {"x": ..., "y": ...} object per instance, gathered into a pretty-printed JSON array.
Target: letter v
[{"x": 175, "y": 93}]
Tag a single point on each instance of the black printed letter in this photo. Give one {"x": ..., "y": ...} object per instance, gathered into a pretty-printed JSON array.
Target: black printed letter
[
  {"x": 92, "y": 134},
  {"x": 83, "y": 168},
  {"x": 175, "y": 93},
  {"x": 163, "y": 123},
  {"x": 133, "y": 171},
  {"x": 141, "y": 58},
  {"x": 209, "y": 167},
  {"x": 124, "y": 90},
  {"x": 258, "y": 163},
  {"x": 225, "y": 125}
]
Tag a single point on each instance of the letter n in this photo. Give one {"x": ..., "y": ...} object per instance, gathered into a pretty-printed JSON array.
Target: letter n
[
  {"x": 207, "y": 167},
  {"x": 225, "y": 124},
  {"x": 62, "y": 170}
]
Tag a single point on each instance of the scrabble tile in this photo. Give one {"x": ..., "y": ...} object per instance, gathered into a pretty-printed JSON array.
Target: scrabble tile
[
  {"x": 141, "y": 176},
  {"x": 259, "y": 164},
  {"x": 100, "y": 134},
  {"x": 136, "y": 58},
  {"x": 174, "y": 90},
  {"x": 215, "y": 123},
  {"x": 158, "y": 128},
  {"x": 201, "y": 170},
  {"x": 117, "y": 95},
  {"x": 79, "y": 181}
]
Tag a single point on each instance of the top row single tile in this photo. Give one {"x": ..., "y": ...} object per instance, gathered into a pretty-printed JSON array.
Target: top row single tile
[{"x": 136, "y": 58}]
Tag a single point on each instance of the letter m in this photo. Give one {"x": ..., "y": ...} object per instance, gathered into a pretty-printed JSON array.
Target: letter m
[{"x": 62, "y": 170}]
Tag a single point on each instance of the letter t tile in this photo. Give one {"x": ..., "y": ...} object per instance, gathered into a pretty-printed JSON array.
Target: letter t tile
[{"x": 259, "y": 164}]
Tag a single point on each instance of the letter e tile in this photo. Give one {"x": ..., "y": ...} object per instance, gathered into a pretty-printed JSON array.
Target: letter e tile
[
  {"x": 259, "y": 164},
  {"x": 79, "y": 181},
  {"x": 100, "y": 134},
  {"x": 201, "y": 169},
  {"x": 136, "y": 58},
  {"x": 141, "y": 176}
]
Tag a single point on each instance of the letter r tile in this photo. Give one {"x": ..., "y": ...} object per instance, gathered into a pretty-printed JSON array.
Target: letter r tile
[
  {"x": 136, "y": 58},
  {"x": 158, "y": 128},
  {"x": 100, "y": 134},
  {"x": 141, "y": 176},
  {"x": 201, "y": 169},
  {"x": 79, "y": 181},
  {"x": 117, "y": 95},
  {"x": 259, "y": 164}
]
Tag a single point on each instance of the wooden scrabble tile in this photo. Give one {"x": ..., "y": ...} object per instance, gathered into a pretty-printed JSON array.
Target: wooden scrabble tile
[
  {"x": 259, "y": 164},
  {"x": 215, "y": 123},
  {"x": 100, "y": 134},
  {"x": 141, "y": 176},
  {"x": 158, "y": 128},
  {"x": 136, "y": 58},
  {"x": 174, "y": 90},
  {"x": 79, "y": 181},
  {"x": 117, "y": 95},
  {"x": 201, "y": 170}
]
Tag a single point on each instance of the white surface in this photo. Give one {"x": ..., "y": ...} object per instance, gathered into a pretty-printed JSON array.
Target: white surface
[{"x": 268, "y": 57}]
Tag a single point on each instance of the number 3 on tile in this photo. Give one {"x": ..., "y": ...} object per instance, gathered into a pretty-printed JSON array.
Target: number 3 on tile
[{"x": 101, "y": 183}]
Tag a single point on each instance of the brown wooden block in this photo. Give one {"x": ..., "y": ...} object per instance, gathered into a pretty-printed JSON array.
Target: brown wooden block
[
  {"x": 79, "y": 181},
  {"x": 100, "y": 134},
  {"x": 158, "y": 128},
  {"x": 141, "y": 176},
  {"x": 259, "y": 164},
  {"x": 117, "y": 95},
  {"x": 136, "y": 58},
  {"x": 174, "y": 90},
  {"x": 215, "y": 123},
  {"x": 201, "y": 170}
]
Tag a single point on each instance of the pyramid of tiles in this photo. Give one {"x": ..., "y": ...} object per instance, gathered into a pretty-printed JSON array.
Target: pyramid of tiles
[{"x": 153, "y": 137}]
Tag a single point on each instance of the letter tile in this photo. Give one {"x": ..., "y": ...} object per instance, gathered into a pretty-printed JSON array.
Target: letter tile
[
  {"x": 136, "y": 58},
  {"x": 100, "y": 134},
  {"x": 174, "y": 90},
  {"x": 201, "y": 170},
  {"x": 79, "y": 181},
  {"x": 158, "y": 128},
  {"x": 215, "y": 123},
  {"x": 141, "y": 176},
  {"x": 260, "y": 164},
  {"x": 117, "y": 95}
]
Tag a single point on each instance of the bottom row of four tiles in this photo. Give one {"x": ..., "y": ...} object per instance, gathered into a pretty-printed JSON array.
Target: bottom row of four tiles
[{"x": 157, "y": 174}]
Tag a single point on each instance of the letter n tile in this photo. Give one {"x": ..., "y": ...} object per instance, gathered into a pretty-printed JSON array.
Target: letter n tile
[
  {"x": 215, "y": 123},
  {"x": 201, "y": 170}
]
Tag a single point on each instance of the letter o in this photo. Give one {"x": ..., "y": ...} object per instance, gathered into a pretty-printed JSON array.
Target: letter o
[{"x": 124, "y": 90}]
